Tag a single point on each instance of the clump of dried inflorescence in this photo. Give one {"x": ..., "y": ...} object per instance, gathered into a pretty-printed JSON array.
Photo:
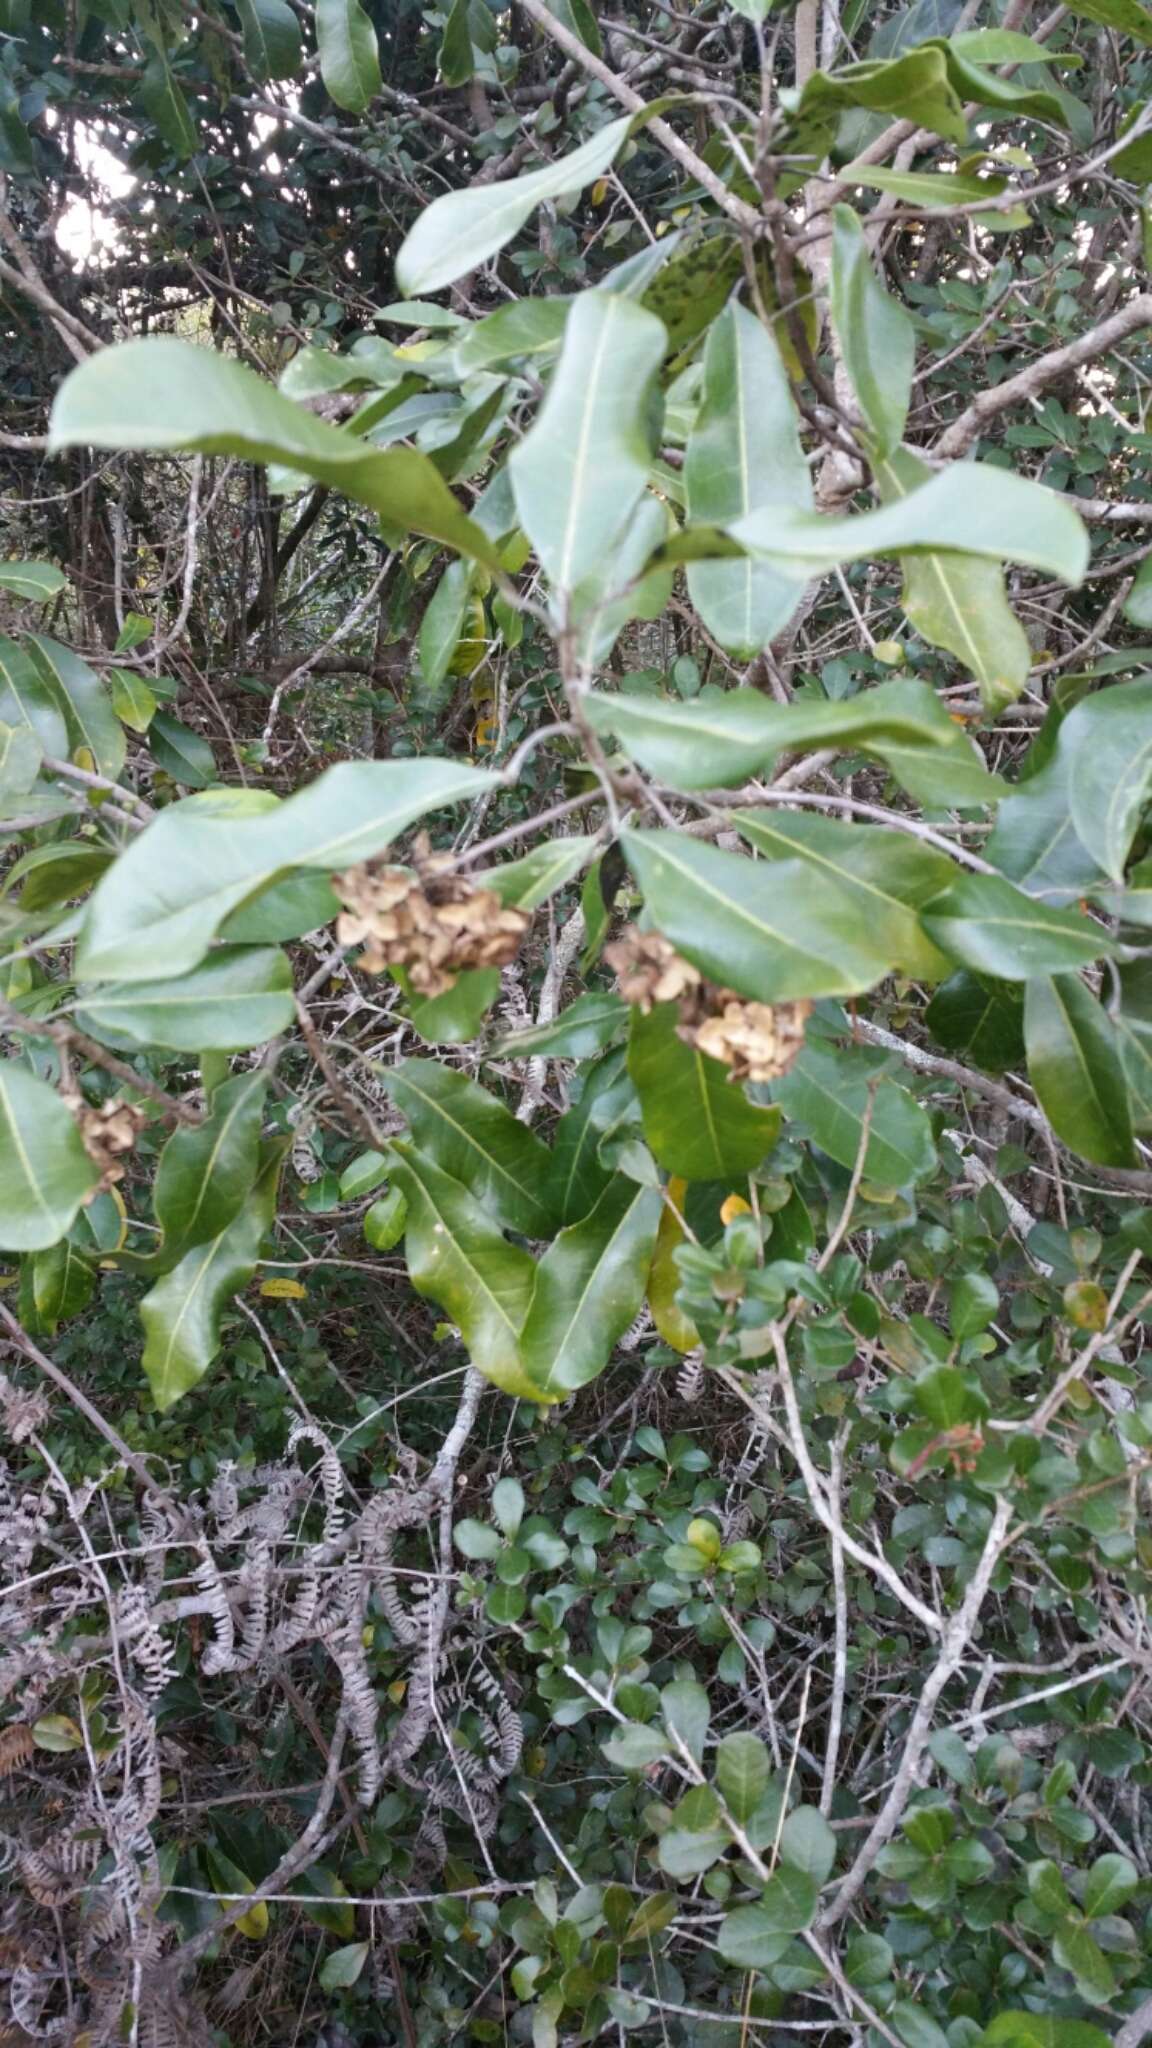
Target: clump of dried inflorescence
[
  {"x": 426, "y": 919},
  {"x": 755, "y": 1041},
  {"x": 109, "y": 1132}
]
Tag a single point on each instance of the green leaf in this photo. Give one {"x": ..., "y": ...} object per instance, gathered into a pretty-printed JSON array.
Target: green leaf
[
  {"x": 38, "y": 581},
  {"x": 529, "y": 882},
  {"x": 1108, "y": 742},
  {"x": 688, "y": 1852},
  {"x": 83, "y": 703},
  {"x": 343, "y": 1967},
  {"x": 461, "y": 230},
  {"x": 876, "y": 336},
  {"x": 132, "y": 701},
  {"x": 349, "y": 57},
  {"x": 1128, "y": 18},
  {"x": 521, "y": 328},
  {"x": 808, "y": 1844},
  {"x": 183, "y": 754},
  {"x": 166, "y": 107},
  {"x": 982, "y": 1021},
  {"x": 585, "y": 1027},
  {"x": 1109, "y": 1885},
  {"x": 1035, "y": 842},
  {"x": 699, "y": 1124},
  {"x": 477, "y": 1540},
  {"x": 868, "y": 1959},
  {"x": 744, "y": 451},
  {"x": 26, "y": 702},
  {"x": 970, "y": 505},
  {"x": 156, "y": 911},
  {"x": 271, "y": 38},
  {"x": 579, "y": 472},
  {"x": 772, "y": 930},
  {"x": 476, "y": 1139},
  {"x": 577, "y": 1179},
  {"x": 239, "y": 997},
  {"x": 454, "y": 61},
  {"x": 725, "y": 738},
  {"x": 742, "y": 1773},
  {"x": 1075, "y": 1949},
  {"x": 589, "y": 1287},
  {"x": 633, "y": 1747},
  {"x": 60, "y": 1284},
  {"x": 687, "y": 1714},
  {"x": 508, "y": 1506},
  {"x": 45, "y": 1173},
  {"x": 441, "y": 628},
  {"x": 1075, "y": 1067},
  {"x": 828, "y": 1093},
  {"x": 166, "y": 395},
  {"x": 958, "y": 601},
  {"x": 927, "y": 189},
  {"x": 55, "y": 872},
  {"x": 207, "y": 1170},
  {"x": 20, "y": 756},
  {"x": 362, "y": 1174},
  {"x": 751, "y": 1938},
  {"x": 181, "y": 1315},
  {"x": 1038, "y": 2030},
  {"x": 972, "y": 1303},
  {"x": 458, "y": 1258},
  {"x": 888, "y": 875},
  {"x": 386, "y": 1221},
  {"x": 286, "y": 909},
  {"x": 994, "y": 928},
  {"x": 916, "y": 86}
]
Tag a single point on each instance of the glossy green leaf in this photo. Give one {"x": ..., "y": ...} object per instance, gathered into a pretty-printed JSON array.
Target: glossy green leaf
[
  {"x": 1074, "y": 1065},
  {"x": 471, "y": 1135},
  {"x": 165, "y": 394},
  {"x": 454, "y": 61},
  {"x": 579, "y": 472},
  {"x": 958, "y": 601},
  {"x": 156, "y": 912},
  {"x": 876, "y": 336},
  {"x": 828, "y": 1094},
  {"x": 1035, "y": 842},
  {"x": 26, "y": 702},
  {"x": 349, "y": 57},
  {"x": 183, "y": 754},
  {"x": 577, "y": 1178},
  {"x": 1041, "y": 2030},
  {"x": 888, "y": 875},
  {"x": 725, "y": 737},
  {"x": 53, "y": 873},
  {"x": 529, "y": 882},
  {"x": 744, "y": 451},
  {"x": 585, "y": 1027},
  {"x": 271, "y": 32},
  {"x": 521, "y": 328},
  {"x": 990, "y": 926},
  {"x": 386, "y": 1221},
  {"x": 773, "y": 930},
  {"x": 687, "y": 1715},
  {"x": 589, "y": 1288},
  {"x": 83, "y": 702},
  {"x": 699, "y": 1124},
  {"x": 1107, "y": 739},
  {"x": 455, "y": 1017},
  {"x": 458, "y": 1258},
  {"x": 45, "y": 1173},
  {"x": 928, "y": 189},
  {"x": 972, "y": 506},
  {"x": 37, "y": 581},
  {"x": 1109, "y": 1885},
  {"x": 743, "y": 1769},
  {"x": 441, "y": 628},
  {"x": 132, "y": 701},
  {"x": 206, "y": 1171},
  {"x": 161, "y": 99},
  {"x": 181, "y": 1314},
  {"x": 55, "y": 1284},
  {"x": 460, "y": 230},
  {"x": 239, "y": 997},
  {"x": 981, "y": 1021}
]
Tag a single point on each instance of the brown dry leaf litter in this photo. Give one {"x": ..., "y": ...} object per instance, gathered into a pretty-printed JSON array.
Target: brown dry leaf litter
[
  {"x": 755, "y": 1041},
  {"x": 426, "y": 919}
]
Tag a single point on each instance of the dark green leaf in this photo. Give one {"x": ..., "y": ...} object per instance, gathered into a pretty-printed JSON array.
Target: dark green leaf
[
  {"x": 37, "y": 581},
  {"x": 585, "y": 1027},
  {"x": 181, "y": 1315},
  {"x": 45, "y": 1173},
  {"x": 828, "y": 1093},
  {"x": 207, "y": 1170},
  {"x": 476, "y": 1139},
  {"x": 589, "y": 1287},
  {"x": 697, "y": 1121},
  {"x": 994, "y": 928},
  {"x": 271, "y": 38},
  {"x": 349, "y": 58},
  {"x": 1074, "y": 1065},
  {"x": 888, "y": 875},
  {"x": 239, "y": 997},
  {"x": 876, "y": 336}
]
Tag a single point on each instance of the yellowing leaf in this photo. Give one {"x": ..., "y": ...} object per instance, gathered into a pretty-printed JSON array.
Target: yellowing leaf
[
  {"x": 283, "y": 1290},
  {"x": 58, "y": 1733},
  {"x": 733, "y": 1206},
  {"x": 663, "y": 1278}
]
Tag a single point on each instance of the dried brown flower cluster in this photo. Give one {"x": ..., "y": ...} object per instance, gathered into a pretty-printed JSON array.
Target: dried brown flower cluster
[
  {"x": 432, "y": 922},
  {"x": 108, "y": 1133},
  {"x": 756, "y": 1041}
]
